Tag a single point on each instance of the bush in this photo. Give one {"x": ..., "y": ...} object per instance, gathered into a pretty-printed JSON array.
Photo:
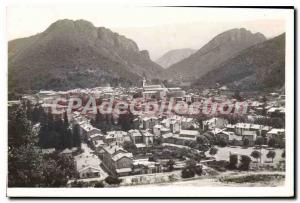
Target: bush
[
  {"x": 199, "y": 170},
  {"x": 245, "y": 163},
  {"x": 99, "y": 184},
  {"x": 187, "y": 173},
  {"x": 213, "y": 151},
  {"x": 256, "y": 154},
  {"x": 233, "y": 160},
  {"x": 113, "y": 180}
]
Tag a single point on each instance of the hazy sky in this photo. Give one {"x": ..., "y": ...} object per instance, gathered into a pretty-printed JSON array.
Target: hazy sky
[{"x": 156, "y": 29}]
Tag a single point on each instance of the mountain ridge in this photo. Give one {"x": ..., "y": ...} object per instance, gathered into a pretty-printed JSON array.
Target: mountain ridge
[
  {"x": 261, "y": 66},
  {"x": 173, "y": 56},
  {"x": 69, "y": 51},
  {"x": 220, "y": 48}
]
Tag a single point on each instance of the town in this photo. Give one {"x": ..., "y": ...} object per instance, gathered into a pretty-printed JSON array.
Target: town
[{"x": 151, "y": 147}]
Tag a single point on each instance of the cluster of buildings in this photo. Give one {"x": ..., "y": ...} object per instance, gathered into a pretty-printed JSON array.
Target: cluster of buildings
[{"x": 176, "y": 131}]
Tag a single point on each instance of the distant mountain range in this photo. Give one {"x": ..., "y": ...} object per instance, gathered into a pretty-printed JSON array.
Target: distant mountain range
[
  {"x": 75, "y": 54},
  {"x": 174, "y": 56},
  {"x": 259, "y": 67},
  {"x": 210, "y": 56},
  {"x": 72, "y": 54}
]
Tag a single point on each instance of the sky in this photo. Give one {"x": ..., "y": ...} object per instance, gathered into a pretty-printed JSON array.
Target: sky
[{"x": 156, "y": 29}]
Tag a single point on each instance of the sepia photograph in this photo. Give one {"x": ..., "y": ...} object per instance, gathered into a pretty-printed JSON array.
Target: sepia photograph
[{"x": 150, "y": 101}]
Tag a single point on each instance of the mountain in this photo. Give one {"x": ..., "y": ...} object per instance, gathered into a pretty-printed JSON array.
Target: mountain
[
  {"x": 174, "y": 56},
  {"x": 216, "y": 51},
  {"x": 73, "y": 54},
  {"x": 259, "y": 67}
]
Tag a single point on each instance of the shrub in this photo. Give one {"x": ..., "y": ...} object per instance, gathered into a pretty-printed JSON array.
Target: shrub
[
  {"x": 99, "y": 184},
  {"x": 213, "y": 151},
  {"x": 233, "y": 161},
  {"x": 256, "y": 154},
  {"x": 187, "y": 173},
  {"x": 245, "y": 162},
  {"x": 113, "y": 180},
  {"x": 271, "y": 155},
  {"x": 199, "y": 170}
]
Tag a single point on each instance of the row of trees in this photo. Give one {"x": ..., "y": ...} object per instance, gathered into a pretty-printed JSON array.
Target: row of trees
[
  {"x": 191, "y": 169},
  {"x": 27, "y": 166},
  {"x": 57, "y": 133},
  {"x": 270, "y": 155},
  {"x": 105, "y": 122}
]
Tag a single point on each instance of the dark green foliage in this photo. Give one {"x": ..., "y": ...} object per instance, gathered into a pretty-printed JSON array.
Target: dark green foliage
[
  {"x": 271, "y": 155},
  {"x": 170, "y": 164},
  {"x": 233, "y": 161},
  {"x": 213, "y": 151},
  {"x": 126, "y": 121},
  {"x": 113, "y": 180},
  {"x": 271, "y": 142},
  {"x": 187, "y": 173},
  {"x": 245, "y": 163},
  {"x": 191, "y": 169},
  {"x": 259, "y": 140},
  {"x": 27, "y": 167},
  {"x": 256, "y": 154},
  {"x": 246, "y": 143},
  {"x": 57, "y": 134},
  {"x": 283, "y": 154},
  {"x": 76, "y": 136}
]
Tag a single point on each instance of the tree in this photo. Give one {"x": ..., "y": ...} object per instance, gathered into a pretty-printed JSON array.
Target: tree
[
  {"x": 283, "y": 154},
  {"x": 19, "y": 128},
  {"x": 259, "y": 140},
  {"x": 213, "y": 151},
  {"x": 233, "y": 161},
  {"x": 187, "y": 173},
  {"x": 171, "y": 164},
  {"x": 76, "y": 136},
  {"x": 271, "y": 155},
  {"x": 35, "y": 115},
  {"x": 222, "y": 142},
  {"x": 66, "y": 120},
  {"x": 199, "y": 170},
  {"x": 256, "y": 154},
  {"x": 27, "y": 167},
  {"x": 271, "y": 142},
  {"x": 246, "y": 143},
  {"x": 245, "y": 162},
  {"x": 126, "y": 120}
]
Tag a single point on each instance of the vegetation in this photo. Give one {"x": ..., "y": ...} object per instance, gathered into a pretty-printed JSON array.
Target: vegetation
[
  {"x": 271, "y": 142},
  {"x": 213, "y": 151},
  {"x": 171, "y": 164},
  {"x": 113, "y": 180},
  {"x": 191, "y": 169},
  {"x": 245, "y": 163},
  {"x": 271, "y": 155},
  {"x": 283, "y": 154},
  {"x": 246, "y": 143},
  {"x": 253, "y": 178},
  {"x": 27, "y": 167},
  {"x": 55, "y": 133},
  {"x": 233, "y": 161},
  {"x": 259, "y": 140},
  {"x": 256, "y": 155}
]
